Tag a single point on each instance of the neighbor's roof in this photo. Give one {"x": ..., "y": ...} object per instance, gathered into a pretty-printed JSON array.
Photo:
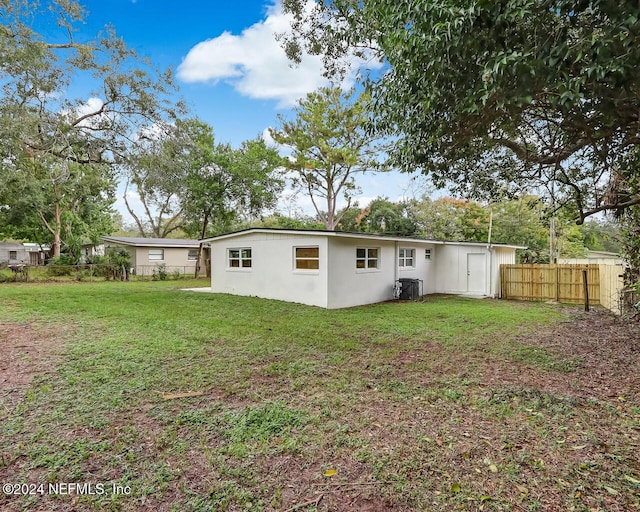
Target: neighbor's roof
[
  {"x": 151, "y": 242},
  {"x": 346, "y": 234}
]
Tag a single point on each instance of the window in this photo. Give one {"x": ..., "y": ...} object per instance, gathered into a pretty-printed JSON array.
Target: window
[
  {"x": 193, "y": 255},
  {"x": 367, "y": 257},
  {"x": 156, "y": 254},
  {"x": 406, "y": 257},
  {"x": 427, "y": 254},
  {"x": 240, "y": 258},
  {"x": 13, "y": 255},
  {"x": 307, "y": 258}
]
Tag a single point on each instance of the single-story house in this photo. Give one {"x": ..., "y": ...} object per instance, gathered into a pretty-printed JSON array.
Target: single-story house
[
  {"x": 12, "y": 253},
  {"x": 177, "y": 255},
  {"x": 333, "y": 269},
  {"x": 36, "y": 253},
  {"x": 26, "y": 253},
  {"x": 595, "y": 258}
]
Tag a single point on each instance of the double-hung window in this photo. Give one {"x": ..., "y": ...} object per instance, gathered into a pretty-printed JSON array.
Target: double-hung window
[
  {"x": 240, "y": 257},
  {"x": 406, "y": 258},
  {"x": 193, "y": 255},
  {"x": 307, "y": 258},
  {"x": 367, "y": 258}
]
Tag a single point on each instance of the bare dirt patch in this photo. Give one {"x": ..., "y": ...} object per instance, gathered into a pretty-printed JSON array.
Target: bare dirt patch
[
  {"x": 26, "y": 350},
  {"x": 604, "y": 349}
]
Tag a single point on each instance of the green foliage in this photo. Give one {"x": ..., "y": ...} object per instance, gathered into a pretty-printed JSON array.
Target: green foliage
[
  {"x": 382, "y": 216},
  {"x": 280, "y": 221},
  {"x": 160, "y": 273},
  {"x": 58, "y": 151},
  {"x": 330, "y": 145},
  {"x": 489, "y": 98},
  {"x": 62, "y": 265},
  {"x": 119, "y": 261}
]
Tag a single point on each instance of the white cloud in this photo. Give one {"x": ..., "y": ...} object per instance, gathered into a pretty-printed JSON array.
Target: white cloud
[{"x": 255, "y": 63}]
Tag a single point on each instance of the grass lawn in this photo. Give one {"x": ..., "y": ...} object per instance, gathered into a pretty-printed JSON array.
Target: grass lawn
[{"x": 446, "y": 404}]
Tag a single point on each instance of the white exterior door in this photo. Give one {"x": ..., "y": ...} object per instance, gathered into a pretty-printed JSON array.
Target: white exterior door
[{"x": 476, "y": 273}]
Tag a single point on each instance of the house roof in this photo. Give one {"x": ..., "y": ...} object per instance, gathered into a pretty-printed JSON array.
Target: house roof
[
  {"x": 34, "y": 247},
  {"x": 151, "y": 242},
  {"x": 347, "y": 234}
]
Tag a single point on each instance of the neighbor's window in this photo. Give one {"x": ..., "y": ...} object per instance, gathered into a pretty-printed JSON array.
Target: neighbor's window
[
  {"x": 406, "y": 257},
  {"x": 367, "y": 257},
  {"x": 193, "y": 255},
  {"x": 307, "y": 258},
  {"x": 427, "y": 254},
  {"x": 240, "y": 258},
  {"x": 13, "y": 255},
  {"x": 156, "y": 254}
]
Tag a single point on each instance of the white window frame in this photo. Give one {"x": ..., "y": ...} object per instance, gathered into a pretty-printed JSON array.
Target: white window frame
[
  {"x": 241, "y": 257},
  {"x": 367, "y": 259},
  {"x": 427, "y": 254},
  {"x": 404, "y": 258},
  {"x": 195, "y": 256},
  {"x": 297, "y": 258},
  {"x": 160, "y": 252}
]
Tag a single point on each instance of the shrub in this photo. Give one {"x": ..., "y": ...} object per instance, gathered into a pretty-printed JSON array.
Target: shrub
[{"x": 160, "y": 272}]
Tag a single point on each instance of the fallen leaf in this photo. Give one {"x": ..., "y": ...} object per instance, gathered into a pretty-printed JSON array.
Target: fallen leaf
[
  {"x": 493, "y": 468},
  {"x": 455, "y": 487},
  {"x": 330, "y": 472},
  {"x": 581, "y": 447},
  {"x": 610, "y": 490},
  {"x": 522, "y": 489},
  {"x": 632, "y": 480}
]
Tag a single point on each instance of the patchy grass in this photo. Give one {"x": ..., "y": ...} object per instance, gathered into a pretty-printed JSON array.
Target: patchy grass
[{"x": 446, "y": 404}]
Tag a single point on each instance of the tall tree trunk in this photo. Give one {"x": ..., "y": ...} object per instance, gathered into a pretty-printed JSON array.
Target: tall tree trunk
[
  {"x": 203, "y": 233},
  {"x": 55, "y": 230}
]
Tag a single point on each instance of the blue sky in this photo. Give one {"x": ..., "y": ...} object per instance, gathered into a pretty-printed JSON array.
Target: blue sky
[{"x": 230, "y": 70}]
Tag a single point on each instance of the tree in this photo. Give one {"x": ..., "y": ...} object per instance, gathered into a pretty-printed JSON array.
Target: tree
[
  {"x": 452, "y": 219},
  {"x": 496, "y": 97},
  {"x": 382, "y": 216},
  {"x": 63, "y": 202},
  {"x": 226, "y": 185},
  {"x": 157, "y": 167},
  {"x": 329, "y": 147},
  {"x": 42, "y": 129}
]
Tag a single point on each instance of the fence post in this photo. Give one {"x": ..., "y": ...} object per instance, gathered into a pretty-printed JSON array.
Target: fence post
[
  {"x": 557, "y": 283},
  {"x": 585, "y": 283}
]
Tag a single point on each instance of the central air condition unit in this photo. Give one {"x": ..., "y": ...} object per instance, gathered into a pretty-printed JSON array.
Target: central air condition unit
[{"x": 409, "y": 289}]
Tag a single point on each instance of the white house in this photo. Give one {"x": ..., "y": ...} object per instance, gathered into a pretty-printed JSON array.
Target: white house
[{"x": 337, "y": 270}]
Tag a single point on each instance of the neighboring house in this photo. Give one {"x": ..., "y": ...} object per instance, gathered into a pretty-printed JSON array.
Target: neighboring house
[
  {"x": 148, "y": 253},
  {"x": 12, "y": 253},
  {"x": 36, "y": 253},
  {"x": 91, "y": 250},
  {"x": 595, "y": 258},
  {"x": 337, "y": 270}
]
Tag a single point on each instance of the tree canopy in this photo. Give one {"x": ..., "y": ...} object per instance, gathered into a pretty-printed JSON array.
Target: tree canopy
[
  {"x": 58, "y": 150},
  {"x": 329, "y": 146},
  {"x": 491, "y": 98}
]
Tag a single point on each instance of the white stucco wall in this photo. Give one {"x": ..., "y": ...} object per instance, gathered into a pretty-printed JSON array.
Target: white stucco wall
[
  {"x": 350, "y": 286},
  {"x": 452, "y": 265},
  {"x": 272, "y": 274},
  {"x": 451, "y": 269},
  {"x": 338, "y": 283}
]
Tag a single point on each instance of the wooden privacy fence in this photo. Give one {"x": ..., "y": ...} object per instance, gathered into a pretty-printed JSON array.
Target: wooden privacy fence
[
  {"x": 563, "y": 283},
  {"x": 611, "y": 286}
]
